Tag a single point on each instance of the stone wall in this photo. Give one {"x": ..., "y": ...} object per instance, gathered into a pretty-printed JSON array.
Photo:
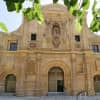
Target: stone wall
[{"x": 55, "y": 46}]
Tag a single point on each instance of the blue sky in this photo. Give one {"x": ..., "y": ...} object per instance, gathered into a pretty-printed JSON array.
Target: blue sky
[{"x": 13, "y": 20}]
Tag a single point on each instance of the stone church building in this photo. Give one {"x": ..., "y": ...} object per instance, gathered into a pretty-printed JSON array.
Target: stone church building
[{"x": 53, "y": 57}]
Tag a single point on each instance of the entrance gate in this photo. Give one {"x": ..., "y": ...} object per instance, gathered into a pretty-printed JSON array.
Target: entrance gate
[
  {"x": 10, "y": 84},
  {"x": 56, "y": 80},
  {"x": 97, "y": 84}
]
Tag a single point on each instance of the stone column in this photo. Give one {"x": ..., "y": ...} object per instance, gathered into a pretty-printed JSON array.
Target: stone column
[
  {"x": 20, "y": 80},
  {"x": 2, "y": 86},
  {"x": 90, "y": 85},
  {"x": 88, "y": 60},
  {"x": 73, "y": 74},
  {"x": 38, "y": 81}
]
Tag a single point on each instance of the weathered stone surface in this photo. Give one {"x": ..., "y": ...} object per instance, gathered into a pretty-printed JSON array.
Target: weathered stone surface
[{"x": 54, "y": 47}]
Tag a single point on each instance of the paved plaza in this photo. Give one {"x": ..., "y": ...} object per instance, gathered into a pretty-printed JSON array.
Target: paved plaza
[{"x": 51, "y": 98}]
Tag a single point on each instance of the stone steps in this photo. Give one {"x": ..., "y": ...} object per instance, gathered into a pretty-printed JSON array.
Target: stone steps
[
  {"x": 7, "y": 94},
  {"x": 56, "y": 94},
  {"x": 70, "y": 98},
  {"x": 51, "y": 98}
]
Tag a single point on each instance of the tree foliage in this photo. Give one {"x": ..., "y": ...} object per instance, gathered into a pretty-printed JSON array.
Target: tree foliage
[
  {"x": 34, "y": 12},
  {"x": 95, "y": 25},
  {"x": 3, "y": 27},
  {"x": 74, "y": 7}
]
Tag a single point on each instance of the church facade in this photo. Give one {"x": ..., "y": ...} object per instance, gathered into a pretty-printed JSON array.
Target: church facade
[{"x": 53, "y": 57}]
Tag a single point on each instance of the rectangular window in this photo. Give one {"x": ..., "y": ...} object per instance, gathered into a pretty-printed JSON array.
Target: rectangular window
[
  {"x": 13, "y": 46},
  {"x": 77, "y": 38},
  {"x": 95, "y": 48},
  {"x": 33, "y": 36}
]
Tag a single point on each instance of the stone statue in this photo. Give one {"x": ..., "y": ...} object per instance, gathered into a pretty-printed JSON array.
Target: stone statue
[{"x": 56, "y": 36}]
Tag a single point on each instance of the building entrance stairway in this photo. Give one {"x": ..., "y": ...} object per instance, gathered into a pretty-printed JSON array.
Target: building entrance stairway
[{"x": 51, "y": 98}]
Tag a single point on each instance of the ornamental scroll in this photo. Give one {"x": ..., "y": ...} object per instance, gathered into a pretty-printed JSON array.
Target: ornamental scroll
[{"x": 56, "y": 35}]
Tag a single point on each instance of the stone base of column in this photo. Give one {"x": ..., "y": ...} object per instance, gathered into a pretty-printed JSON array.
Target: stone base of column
[
  {"x": 20, "y": 92},
  {"x": 91, "y": 93}
]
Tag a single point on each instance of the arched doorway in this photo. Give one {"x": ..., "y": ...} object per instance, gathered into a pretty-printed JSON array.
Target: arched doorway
[
  {"x": 10, "y": 83},
  {"x": 56, "y": 80},
  {"x": 97, "y": 84}
]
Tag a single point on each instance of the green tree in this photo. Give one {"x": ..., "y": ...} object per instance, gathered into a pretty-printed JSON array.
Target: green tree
[
  {"x": 74, "y": 7},
  {"x": 3, "y": 27}
]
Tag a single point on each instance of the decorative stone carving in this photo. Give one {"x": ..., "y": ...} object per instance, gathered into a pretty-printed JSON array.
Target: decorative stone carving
[
  {"x": 56, "y": 35},
  {"x": 33, "y": 45}
]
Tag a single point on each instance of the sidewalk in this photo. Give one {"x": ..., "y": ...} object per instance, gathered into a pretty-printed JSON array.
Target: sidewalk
[{"x": 50, "y": 98}]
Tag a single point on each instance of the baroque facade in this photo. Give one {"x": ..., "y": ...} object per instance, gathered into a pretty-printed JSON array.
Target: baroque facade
[{"x": 50, "y": 58}]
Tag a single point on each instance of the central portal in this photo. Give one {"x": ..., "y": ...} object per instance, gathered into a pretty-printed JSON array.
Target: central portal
[{"x": 56, "y": 80}]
